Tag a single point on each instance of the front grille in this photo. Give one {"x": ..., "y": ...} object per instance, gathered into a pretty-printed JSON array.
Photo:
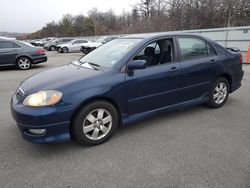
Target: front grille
[{"x": 20, "y": 94}]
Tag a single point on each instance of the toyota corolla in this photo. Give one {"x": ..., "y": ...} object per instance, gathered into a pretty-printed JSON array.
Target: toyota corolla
[{"x": 125, "y": 80}]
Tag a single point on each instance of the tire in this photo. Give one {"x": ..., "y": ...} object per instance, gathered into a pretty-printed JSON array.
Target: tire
[
  {"x": 52, "y": 48},
  {"x": 89, "y": 129},
  {"x": 64, "y": 50},
  {"x": 23, "y": 63},
  {"x": 219, "y": 93}
]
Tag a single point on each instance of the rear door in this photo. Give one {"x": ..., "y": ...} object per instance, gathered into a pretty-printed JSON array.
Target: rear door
[
  {"x": 8, "y": 52},
  {"x": 197, "y": 59}
]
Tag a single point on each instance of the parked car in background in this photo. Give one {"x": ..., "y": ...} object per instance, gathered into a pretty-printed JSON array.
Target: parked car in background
[
  {"x": 33, "y": 42},
  {"x": 125, "y": 80},
  {"x": 43, "y": 41},
  {"x": 71, "y": 46},
  {"x": 20, "y": 54},
  {"x": 51, "y": 46},
  {"x": 90, "y": 46}
]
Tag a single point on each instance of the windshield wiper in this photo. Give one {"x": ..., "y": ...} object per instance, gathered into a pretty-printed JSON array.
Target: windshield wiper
[{"x": 94, "y": 64}]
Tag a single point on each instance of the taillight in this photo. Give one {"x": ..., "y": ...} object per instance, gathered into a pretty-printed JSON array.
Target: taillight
[
  {"x": 40, "y": 51},
  {"x": 241, "y": 58}
]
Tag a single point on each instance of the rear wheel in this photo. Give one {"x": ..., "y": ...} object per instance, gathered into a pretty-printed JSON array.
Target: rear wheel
[
  {"x": 219, "y": 93},
  {"x": 23, "y": 63},
  {"x": 52, "y": 48},
  {"x": 95, "y": 123}
]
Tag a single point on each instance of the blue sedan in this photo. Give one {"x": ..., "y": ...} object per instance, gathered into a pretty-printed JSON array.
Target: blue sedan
[{"x": 125, "y": 80}]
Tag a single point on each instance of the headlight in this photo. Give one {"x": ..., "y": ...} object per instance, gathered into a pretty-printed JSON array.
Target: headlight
[{"x": 43, "y": 98}]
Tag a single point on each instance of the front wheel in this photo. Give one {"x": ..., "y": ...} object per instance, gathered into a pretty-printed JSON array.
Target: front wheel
[
  {"x": 219, "y": 93},
  {"x": 65, "y": 50},
  {"x": 95, "y": 123}
]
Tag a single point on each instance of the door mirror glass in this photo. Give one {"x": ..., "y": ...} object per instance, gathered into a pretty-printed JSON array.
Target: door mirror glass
[{"x": 137, "y": 64}]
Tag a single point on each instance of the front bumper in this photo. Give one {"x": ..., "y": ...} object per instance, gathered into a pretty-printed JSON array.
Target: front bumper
[
  {"x": 54, "y": 133},
  {"x": 54, "y": 121}
]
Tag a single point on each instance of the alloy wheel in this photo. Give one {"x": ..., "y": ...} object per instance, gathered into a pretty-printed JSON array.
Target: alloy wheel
[
  {"x": 24, "y": 63},
  {"x": 220, "y": 93},
  {"x": 97, "y": 124}
]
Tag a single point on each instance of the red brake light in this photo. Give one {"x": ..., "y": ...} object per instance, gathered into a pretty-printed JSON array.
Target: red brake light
[{"x": 40, "y": 51}]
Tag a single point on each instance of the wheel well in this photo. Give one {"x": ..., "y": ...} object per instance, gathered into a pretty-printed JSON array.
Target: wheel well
[
  {"x": 96, "y": 99},
  {"x": 229, "y": 79},
  {"x": 25, "y": 57}
]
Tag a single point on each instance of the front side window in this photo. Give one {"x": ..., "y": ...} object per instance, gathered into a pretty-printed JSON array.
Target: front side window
[
  {"x": 109, "y": 54},
  {"x": 192, "y": 48},
  {"x": 156, "y": 53},
  {"x": 8, "y": 44}
]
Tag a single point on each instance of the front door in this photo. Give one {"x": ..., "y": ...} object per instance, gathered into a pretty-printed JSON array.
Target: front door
[{"x": 157, "y": 85}]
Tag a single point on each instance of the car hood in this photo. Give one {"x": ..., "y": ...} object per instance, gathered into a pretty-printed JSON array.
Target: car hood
[{"x": 57, "y": 78}]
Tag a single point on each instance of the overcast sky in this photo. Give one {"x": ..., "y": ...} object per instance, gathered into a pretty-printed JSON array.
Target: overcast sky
[{"x": 31, "y": 15}]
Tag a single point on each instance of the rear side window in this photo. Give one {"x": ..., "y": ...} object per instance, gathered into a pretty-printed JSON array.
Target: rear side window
[
  {"x": 8, "y": 44},
  {"x": 83, "y": 41},
  {"x": 80, "y": 41},
  {"x": 67, "y": 40},
  {"x": 194, "y": 48}
]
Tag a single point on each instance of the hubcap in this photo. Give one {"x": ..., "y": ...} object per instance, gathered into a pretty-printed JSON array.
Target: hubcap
[
  {"x": 97, "y": 124},
  {"x": 65, "y": 50},
  {"x": 220, "y": 93},
  {"x": 24, "y": 63}
]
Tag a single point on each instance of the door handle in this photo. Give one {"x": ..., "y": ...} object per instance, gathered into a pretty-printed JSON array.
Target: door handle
[
  {"x": 173, "y": 69},
  {"x": 212, "y": 61}
]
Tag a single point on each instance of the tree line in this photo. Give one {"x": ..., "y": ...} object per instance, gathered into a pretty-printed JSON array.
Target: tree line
[{"x": 152, "y": 16}]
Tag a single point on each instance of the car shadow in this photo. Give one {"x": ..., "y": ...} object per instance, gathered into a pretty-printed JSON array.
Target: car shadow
[
  {"x": 13, "y": 68},
  {"x": 59, "y": 148},
  {"x": 156, "y": 120}
]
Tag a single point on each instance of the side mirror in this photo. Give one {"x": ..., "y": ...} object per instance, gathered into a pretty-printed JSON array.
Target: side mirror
[{"x": 137, "y": 64}]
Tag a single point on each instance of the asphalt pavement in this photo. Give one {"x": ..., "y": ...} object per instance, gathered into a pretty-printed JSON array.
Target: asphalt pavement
[{"x": 197, "y": 147}]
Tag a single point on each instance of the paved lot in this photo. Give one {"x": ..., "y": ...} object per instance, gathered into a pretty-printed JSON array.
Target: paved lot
[{"x": 197, "y": 147}]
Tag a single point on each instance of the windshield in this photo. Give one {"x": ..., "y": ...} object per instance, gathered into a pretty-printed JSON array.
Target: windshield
[
  {"x": 101, "y": 39},
  {"x": 110, "y": 53},
  {"x": 70, "y": 42}
]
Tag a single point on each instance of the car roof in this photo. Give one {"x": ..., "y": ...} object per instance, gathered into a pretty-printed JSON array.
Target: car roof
[{"x": 156, "y": 35}]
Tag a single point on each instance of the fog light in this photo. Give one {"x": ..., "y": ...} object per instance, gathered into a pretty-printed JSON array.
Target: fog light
[{"x": 37, "y": 131}]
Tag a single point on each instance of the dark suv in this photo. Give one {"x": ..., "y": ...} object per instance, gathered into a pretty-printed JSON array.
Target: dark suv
[
  {"x": 51, "y": 46},
  {"x": 20, "y": 54}
]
